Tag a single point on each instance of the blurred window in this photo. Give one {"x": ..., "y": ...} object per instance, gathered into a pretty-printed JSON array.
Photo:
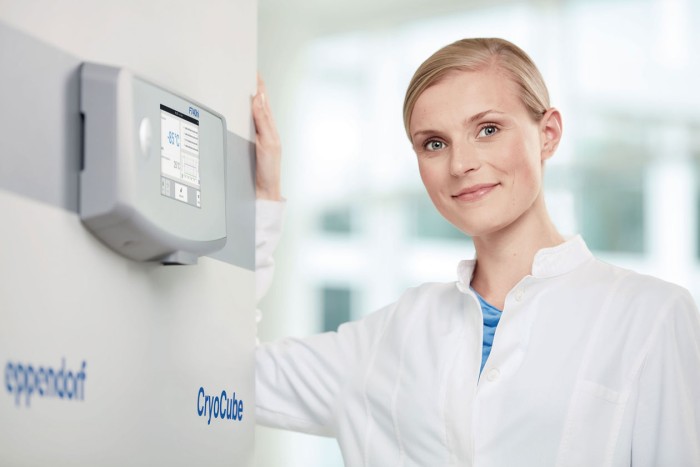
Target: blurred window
[
  {"x": 608, "y": 181},
  {"x": 336, "y": 303},
  {"x": 425, "y": 222},
  {"x": 337, "y": 220}
]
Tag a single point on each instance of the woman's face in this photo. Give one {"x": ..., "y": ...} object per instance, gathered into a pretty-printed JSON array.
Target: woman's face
[{"x": 480, "y": 153}]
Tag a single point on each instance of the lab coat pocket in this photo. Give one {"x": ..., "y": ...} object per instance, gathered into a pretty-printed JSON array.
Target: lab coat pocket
[{"x": 591, "y": 426}]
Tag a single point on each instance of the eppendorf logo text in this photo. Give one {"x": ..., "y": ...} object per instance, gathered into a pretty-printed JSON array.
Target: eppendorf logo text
[{"x": 24, "y": 381}]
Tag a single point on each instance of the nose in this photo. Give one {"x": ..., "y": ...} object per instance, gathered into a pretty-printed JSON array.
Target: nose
[{"x": 463, "y": 160}]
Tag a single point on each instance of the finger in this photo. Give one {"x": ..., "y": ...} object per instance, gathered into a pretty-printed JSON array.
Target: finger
[
  {"x": 261, "y": 85},
  {"x": 265, "y": 127},
  {"x": 262, "y": 90},
  {"x": 262, "y": 115}
]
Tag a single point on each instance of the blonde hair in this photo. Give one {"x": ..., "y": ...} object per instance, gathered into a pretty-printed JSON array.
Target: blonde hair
[{"x": 476, "y": 55}]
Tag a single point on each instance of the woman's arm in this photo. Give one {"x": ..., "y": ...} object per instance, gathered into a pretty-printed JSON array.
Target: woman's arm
[
  {"x": 667, "y": 420},
  {"x": 268, "y": 230},
  {"x": 268, "y": 150},
  {"x": 298, "y": 381},
  {"x": 269, "y": 206}
]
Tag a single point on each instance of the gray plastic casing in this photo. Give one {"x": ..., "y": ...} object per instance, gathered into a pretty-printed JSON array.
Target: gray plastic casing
[{"x": 120, "y": 181}]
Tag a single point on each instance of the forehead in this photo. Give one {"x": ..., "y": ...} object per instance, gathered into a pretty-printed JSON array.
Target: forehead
[{"x": 460, "y": 94}]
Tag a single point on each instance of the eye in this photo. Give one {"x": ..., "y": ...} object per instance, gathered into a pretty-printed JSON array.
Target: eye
[
  {"x": 434, "y": 145},
  {"x": 487, "y": 130}
]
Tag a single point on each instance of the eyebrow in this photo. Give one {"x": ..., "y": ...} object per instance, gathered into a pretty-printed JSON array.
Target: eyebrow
[
  {"x": 467, "y": 122},
  {"x": 481, "y": 115}
]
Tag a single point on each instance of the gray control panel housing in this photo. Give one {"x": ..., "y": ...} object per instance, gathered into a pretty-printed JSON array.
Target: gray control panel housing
[{"x": 152, "y": 185}]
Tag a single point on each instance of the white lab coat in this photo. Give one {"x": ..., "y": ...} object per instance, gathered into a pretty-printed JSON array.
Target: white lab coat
[{"x": 592, "y": 366}]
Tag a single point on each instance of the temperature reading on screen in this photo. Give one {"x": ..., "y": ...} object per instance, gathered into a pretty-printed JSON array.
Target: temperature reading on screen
[
  {"x": 174, "y": 138},
  {"x": 179, "y": 161}
]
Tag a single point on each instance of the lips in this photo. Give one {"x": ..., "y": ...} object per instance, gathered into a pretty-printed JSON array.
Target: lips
[{"x": 475, "y": 192}]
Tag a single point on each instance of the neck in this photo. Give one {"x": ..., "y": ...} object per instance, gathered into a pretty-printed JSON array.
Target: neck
[{"x": 504, "y": 257}]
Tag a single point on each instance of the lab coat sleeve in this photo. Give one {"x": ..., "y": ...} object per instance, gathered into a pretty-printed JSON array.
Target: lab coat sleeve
[
  {"x": 667, "y": 420},
  {"x": 300, "y": 383},
  {"x": 268, "y": 230},
  {"x": 299, "y": 380}
]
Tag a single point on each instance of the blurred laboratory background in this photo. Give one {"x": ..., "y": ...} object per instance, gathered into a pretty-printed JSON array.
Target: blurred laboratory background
[{"x": 360, "y": 228}]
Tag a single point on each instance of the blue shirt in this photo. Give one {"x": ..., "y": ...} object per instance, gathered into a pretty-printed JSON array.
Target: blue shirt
[{"x": 491, "y": 317}]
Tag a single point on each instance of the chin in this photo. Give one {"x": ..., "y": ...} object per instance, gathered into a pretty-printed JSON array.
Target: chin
[{"x": 478, "y": 228}]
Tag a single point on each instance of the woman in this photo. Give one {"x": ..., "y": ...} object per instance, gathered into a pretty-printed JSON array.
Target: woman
[{"x": 591, "y": 365}]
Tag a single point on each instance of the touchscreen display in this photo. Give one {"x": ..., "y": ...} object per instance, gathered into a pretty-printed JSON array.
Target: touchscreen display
[{"x": 179, "y": 156}]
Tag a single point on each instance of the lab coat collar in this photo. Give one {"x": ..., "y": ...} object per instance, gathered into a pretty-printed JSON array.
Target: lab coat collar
[{"x": 548, "y": 262}]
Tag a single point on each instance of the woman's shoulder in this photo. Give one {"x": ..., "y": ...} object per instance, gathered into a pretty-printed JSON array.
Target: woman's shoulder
[
  {"x": 633, "y": 280},
  {"x": 422, "y": 299},
  {"x": 431, "y": 288},
  {"x": 430, "y": 293},
  {"x": 640, "y": 292}
]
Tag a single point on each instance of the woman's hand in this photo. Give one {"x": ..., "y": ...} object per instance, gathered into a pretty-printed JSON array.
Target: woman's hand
[{"x": 267, "y": 148}]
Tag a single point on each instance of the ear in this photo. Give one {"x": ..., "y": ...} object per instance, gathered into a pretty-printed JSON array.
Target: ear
[{"x": 550, "y": 133}]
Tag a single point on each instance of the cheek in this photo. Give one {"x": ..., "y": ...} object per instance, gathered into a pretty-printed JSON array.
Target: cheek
[
  {"x": 434, "y": 182},
  {"x": 430, "y": 177},
  {"x": 524, "y": 166}
]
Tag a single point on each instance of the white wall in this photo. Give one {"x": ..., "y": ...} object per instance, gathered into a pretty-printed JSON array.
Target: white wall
[
  {"x": 217, "y": 37},
  {"x": 150, "y": 335}
]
